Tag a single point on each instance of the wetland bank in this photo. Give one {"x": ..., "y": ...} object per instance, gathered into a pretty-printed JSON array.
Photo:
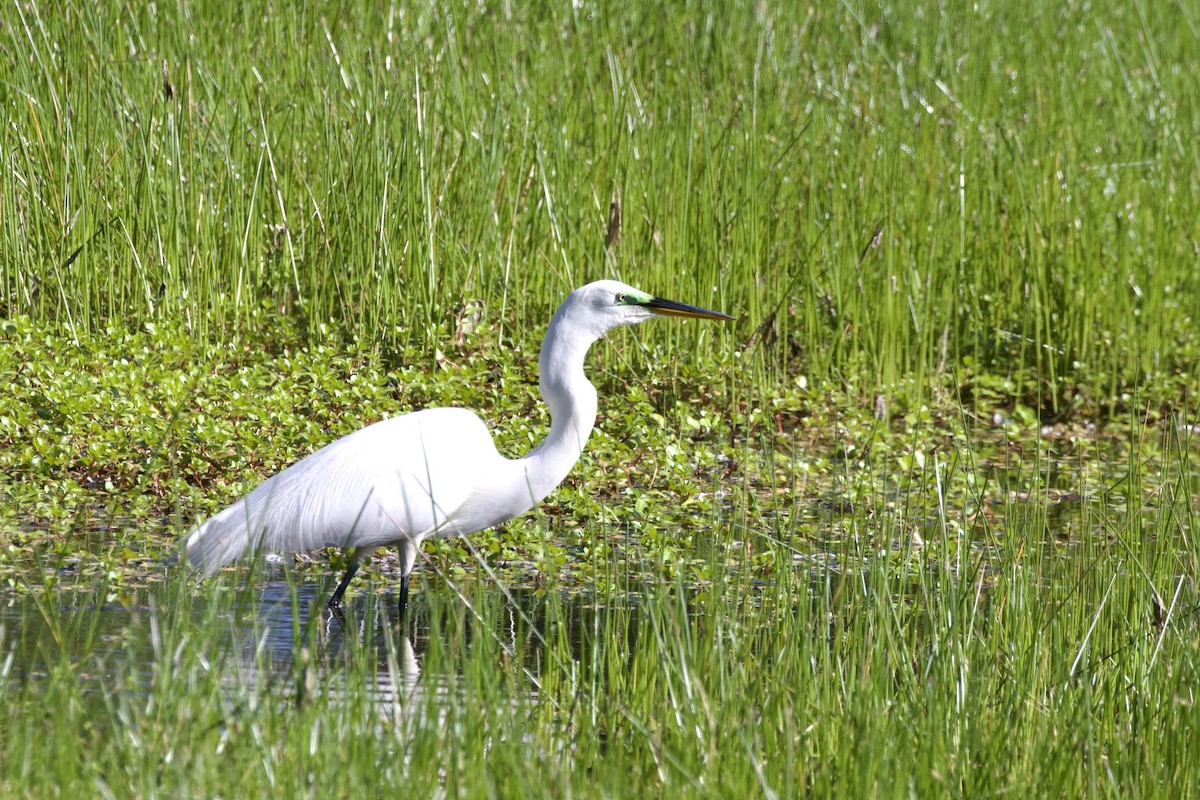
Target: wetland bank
[{"x": 922, "y": 522}]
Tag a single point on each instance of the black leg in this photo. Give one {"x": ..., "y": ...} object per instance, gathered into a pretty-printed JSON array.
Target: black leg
[
  {"x": 403, "y": 595},
  {"x": 335, "y": 602}
]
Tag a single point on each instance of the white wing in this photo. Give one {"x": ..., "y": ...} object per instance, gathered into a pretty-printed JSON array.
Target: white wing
[{"x": 402, "y": 478}]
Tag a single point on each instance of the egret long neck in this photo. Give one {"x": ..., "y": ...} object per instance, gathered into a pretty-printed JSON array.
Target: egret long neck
[{"x": 572, "y": 401}]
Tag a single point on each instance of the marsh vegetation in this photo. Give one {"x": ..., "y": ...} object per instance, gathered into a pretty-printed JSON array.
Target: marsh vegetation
[{"x": 922, "y": 522}]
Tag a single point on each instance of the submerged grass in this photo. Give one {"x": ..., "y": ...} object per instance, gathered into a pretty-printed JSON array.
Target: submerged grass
[
  {"x": 923, "y": 522},
  {"x": 1052, "y": 670},
  {"x": 911, "y": 651}
]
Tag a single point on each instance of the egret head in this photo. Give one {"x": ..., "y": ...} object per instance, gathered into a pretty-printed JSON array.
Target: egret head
[{"x": 601, "y": 306}]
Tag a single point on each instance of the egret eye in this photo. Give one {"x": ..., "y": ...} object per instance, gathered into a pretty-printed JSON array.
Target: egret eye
[{"x": 621, "y": 299}]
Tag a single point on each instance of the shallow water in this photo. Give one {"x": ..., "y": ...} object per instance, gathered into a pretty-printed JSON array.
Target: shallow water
[
  {"x": 277, "y": 632},
  {"x": 276, "y": 636}
]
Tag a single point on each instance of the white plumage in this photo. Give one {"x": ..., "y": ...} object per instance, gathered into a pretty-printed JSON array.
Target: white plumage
[{"x": 434, "y": 472}]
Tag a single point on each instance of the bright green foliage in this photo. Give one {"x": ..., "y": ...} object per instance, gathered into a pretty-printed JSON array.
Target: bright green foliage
[
  {"x": 894, "y": 193},
  {"x": 883, "y": 674},
  {"x": 922, "y": 523}
]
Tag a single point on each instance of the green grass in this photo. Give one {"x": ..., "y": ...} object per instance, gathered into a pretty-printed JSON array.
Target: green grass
[
  {"x": 1040, "y": 668},
  {"x": 898, "y": 195},
  {"x": 922, "y": 522}
]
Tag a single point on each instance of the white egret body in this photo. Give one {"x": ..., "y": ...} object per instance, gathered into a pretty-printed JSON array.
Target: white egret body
[{"x": 434, "y": 472}]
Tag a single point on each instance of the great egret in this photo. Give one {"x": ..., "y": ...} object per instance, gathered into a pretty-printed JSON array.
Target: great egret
[{"x": 433, "y": 472}]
